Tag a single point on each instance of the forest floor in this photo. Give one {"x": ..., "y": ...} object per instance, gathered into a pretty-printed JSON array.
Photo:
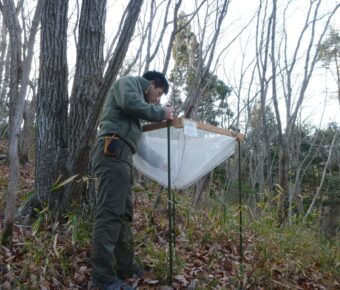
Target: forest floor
[{"x": 49, "y": 255}]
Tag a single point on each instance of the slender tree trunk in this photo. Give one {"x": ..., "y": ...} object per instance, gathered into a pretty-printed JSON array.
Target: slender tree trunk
[
  {"x": 199, "y": 189},
  {"x": 204, "y": 64},
  {"x": 262, "y": 67},
  {"x": 4, "y": 76},
  {"x": 322, "y": 178},
  {"x": 3, "y": 48},
  {"x": 337, "y": 71},
  {"x": 149, "y": 42},
  {"x": 26, "y": 138},
  {"x": 27, "y": 64},
  {"x": 14, "y": 29},
  {"x": 52, "y": 102},
  {"x": 303, "y": 166}
]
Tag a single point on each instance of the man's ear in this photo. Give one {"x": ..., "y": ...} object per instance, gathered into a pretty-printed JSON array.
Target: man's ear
[{"x": 152, "y": 82}]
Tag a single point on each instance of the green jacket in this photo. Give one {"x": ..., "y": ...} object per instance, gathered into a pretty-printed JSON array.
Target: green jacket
[{"x": 124, "y": 106}]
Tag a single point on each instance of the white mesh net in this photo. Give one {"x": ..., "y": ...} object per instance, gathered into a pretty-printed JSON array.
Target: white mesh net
[{"x": 193, "y": 153}]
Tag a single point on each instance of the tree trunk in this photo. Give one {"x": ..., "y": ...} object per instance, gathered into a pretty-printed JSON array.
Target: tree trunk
[
  {"x": 27, "y": 63},
  {"x": 26, "y": 138},
  {"x": 172, "y": 38},
  {"x": 283, "y": 173},
  {"x": 311, "y": 206},
  {"x": 86, "y": 136},
  {"x": 4, "y": 109},
  {"x": 87, "y": 80},
  {"x": 4, "y": 77},
  {"x": 262, "y": 63},
  {"x": 3, "y": 49},
  {"x": 198, "y": 192},
  {"x": 14, "y": 29},
  {"x": 52, "y": 102},
  {"x": 204, "y": 63}
]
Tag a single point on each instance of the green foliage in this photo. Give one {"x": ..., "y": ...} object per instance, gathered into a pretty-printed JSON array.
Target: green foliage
[
  {"x": 257, "y": 124},
  {"x": 284, "y": 255},
  {"x": 51, "y": 252},
  {"x": 186, "y": 54},
  {"x": 79, "y": 229},
  {"x": 25, "y": 199},
  {"x": 207, "y": 245},
  {"x": 3, "y": 187},
  {"x": 329, "y": 50},
  {"x": 42, "y": 216},
  {"x": 151, "y": 244},
  {"x": 214, "y": 104},
  {"x": 4, "y": 125},
  {"x": 291, "y": 251},
  {"x": 182, "y": 52},
  {"x": 59, "y": 184}
]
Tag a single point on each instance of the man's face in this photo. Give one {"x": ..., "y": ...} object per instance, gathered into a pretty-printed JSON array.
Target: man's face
[{"x": 153, "y": 93}]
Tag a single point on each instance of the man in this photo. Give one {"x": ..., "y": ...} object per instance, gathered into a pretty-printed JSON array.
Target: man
[{"x": 129, "y": 100}]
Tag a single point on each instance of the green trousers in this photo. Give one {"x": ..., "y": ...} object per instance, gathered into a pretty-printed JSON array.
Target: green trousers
[{"x": 112, "y": 243}]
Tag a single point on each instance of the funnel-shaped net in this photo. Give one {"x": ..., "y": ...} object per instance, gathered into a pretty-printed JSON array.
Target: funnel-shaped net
[{"x": 194, "y": 152}]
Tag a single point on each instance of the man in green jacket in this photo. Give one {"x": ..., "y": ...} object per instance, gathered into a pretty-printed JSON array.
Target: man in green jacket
[{"x": 129, "y": 100}]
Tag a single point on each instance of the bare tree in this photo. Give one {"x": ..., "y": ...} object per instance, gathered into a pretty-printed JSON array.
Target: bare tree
[
  {"x": 205, "y": 58},
  {"x": 114, "y": 40},
  {"x": 151, "y": 40},
  {"x": 143, "y": 26},
  {"x": 29, "y": 113},
  {"x": 310, "y": 59},
  {"x": 278, "y": 71},
  {"x": 172, "y": 37},
  {"x": 87, "y": 79},
  {"x": 84, "y": 139},
  {"x": 8, "y": 11},
  {"x": 19, "y": 74},
  {"x": 263, "y": 41},
  {"x": 311, "y": 206},
  {"x": 151, "y": 55}
]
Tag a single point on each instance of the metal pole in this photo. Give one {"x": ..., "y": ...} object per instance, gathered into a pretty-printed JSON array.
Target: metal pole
[
  {"x": 170, "y": 211},
  {"x": 240, "y": 208},
  {"x": 173, "y": 220}
]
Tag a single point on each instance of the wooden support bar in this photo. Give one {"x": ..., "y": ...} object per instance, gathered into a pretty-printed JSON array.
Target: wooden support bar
[{"x": 179, "y": 123}]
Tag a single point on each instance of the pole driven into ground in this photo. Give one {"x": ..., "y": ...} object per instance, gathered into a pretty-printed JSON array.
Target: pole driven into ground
[
  {"x": 240, "y": 209},
  {"x": 170, "y": 211}
]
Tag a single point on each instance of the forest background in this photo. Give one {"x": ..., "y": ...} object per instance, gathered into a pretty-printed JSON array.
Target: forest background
[{"x": 269, "y": 69}]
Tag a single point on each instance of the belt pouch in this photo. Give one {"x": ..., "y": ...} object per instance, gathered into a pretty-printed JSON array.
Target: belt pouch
[{"x": 113, "y": 146}]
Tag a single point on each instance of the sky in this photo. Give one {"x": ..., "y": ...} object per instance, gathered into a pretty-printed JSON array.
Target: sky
[{"x": 319, "y": 107}]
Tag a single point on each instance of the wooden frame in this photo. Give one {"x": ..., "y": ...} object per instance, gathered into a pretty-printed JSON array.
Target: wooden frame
[{"x": 179, "y": 123}]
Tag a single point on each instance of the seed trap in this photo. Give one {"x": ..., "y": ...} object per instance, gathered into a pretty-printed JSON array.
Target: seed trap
[
  {"x": 196, "y": 149},
  {"x": 177, "y": 153}
]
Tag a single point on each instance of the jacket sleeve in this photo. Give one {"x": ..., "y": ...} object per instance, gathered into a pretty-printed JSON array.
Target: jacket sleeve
[{"x": 132, "y": 102}]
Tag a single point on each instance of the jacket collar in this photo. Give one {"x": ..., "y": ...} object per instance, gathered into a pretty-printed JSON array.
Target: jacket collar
[{"x": 144, "y": 83}]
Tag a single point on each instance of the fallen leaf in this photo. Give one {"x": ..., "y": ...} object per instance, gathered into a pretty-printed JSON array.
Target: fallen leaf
[{"x": 181, "y": 278}]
